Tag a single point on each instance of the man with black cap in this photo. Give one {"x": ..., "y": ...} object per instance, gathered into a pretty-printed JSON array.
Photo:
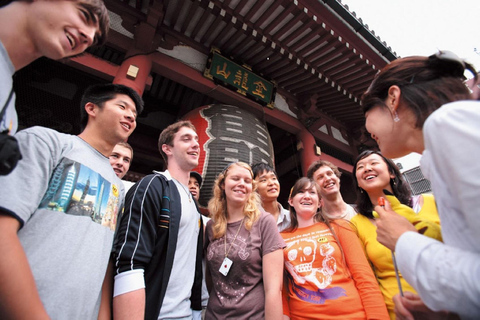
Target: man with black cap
[{"x": 194, "y": 184}]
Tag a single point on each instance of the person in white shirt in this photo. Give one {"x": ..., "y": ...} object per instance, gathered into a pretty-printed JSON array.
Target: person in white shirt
[
  {"x": 327, "y": 176},
  {"x": 421, "y": 104}
]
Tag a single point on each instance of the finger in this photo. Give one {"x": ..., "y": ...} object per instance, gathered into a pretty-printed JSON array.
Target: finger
[
  {"x": 380, "y": 210},
  {"x": 415, "y": 304},
  {"x": 411, "y": 296},
  {"x": 400, "y": 310},
  {"x": 383, "y": 207}
]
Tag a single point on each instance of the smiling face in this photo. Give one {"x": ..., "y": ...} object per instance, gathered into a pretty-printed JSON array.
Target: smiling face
[
  {"x": 61, "y": 28},
  {"x": 116, "y": 119},
  {"x": 238, "y": 185},
  {"x": 120, "y": 160},
  {"x": 194, "y": 187},
  {"x": 306, "y": 202},
  {"x": 372, "y": 174},
  {"x": 327, "y": 180},
  {"x": 185, "y": 149},
  {"x": 268, "y": 186}
]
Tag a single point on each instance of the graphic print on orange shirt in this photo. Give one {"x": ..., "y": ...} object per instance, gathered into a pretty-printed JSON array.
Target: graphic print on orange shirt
[{"x": 311, "y": 265}]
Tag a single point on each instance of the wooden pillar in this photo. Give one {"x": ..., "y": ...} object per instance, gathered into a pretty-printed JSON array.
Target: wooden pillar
[
  {"x": 306, "y": 145},
  {"x": 134, "y": 73}
]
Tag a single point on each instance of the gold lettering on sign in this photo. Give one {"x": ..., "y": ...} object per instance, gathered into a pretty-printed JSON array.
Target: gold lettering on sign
[
  {"x": 223, "y": 72},
  {"x": 259, "y": 88}
]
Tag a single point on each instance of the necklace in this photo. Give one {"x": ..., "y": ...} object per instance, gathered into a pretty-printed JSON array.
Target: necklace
[
  {"x": 227, "y": 263},
  {"x": 235, "y": 238},
  {"x": 189, "y": 195}
]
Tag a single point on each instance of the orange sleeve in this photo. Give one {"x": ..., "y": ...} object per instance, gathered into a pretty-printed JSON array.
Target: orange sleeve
[{"x": 361, "y": 272}]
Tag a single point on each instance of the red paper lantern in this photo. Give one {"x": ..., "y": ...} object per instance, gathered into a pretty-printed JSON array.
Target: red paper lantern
[{"x": 228, "y": 134}]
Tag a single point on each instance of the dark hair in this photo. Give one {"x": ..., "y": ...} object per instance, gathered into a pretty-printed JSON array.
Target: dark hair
[
  {"x": 100, "y": 93},
  {"x": 321, "y": 163},
  {"x": 398, "y": 185},
  {"x": 259, "y": 168},
  {"x": 168, "y": 134},
  {"x": 97, "y": 13},
  {"x": 426, "y": 83}
]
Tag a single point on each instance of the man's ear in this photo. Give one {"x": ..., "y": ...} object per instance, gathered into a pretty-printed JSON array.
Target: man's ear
[
  {"x": 91, "y": 109},
  {"x": 166, "y": 149}
]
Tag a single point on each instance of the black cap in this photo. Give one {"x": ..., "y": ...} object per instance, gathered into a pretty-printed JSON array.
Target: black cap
[{"x": 197, "y": 176}]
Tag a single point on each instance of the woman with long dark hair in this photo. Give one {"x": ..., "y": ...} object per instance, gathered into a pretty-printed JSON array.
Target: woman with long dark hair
[
  {"x": 421, "y": 104},
  {"x": 327, "y": 274},
  {"x": 376, "y": 176}
]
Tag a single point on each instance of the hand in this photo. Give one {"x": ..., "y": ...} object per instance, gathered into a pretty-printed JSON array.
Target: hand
[
  {"x": 423, "y": 226},
  {"x": 411, "y": 306},
  {"x": 390, "y": 226}
]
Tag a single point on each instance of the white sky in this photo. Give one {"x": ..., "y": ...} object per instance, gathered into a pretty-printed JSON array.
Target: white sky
[{"x": 422, "y": 27}]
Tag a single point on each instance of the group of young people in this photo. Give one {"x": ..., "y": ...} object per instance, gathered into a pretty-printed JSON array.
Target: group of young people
[{"x": 74, "y": 246}]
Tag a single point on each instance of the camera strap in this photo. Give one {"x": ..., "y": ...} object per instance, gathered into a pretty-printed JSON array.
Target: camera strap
[{"x": 6, "y": 105}]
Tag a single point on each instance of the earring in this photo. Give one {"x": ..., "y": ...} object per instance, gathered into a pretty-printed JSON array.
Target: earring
[
  {"x": 361, "y": 190},
  {"x": 396, "y": 118}
]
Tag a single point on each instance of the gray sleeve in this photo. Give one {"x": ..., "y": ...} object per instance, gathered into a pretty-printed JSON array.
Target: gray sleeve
[{"x": 22, "y": 190}]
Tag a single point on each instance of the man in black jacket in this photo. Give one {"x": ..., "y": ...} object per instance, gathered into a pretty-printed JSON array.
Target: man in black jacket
[{"x": 158, "y": 247}]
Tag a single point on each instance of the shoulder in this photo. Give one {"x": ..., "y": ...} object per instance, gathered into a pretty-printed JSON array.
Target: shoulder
[
  {"x": 153, "y": 183},
  {"x": 342, "y": 226},
  {"x": 266, "y": 222},
  {"x": 51, "y": 144},
  {"x": 266, "y": 218},
  {"x": 454, "y": 114},
  {"x": 358, "y": 219},
  {"x": 45, "y": 134}
]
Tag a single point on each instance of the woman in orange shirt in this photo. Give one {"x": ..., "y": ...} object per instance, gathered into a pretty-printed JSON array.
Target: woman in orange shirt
[{"x": 327, "y": 273}]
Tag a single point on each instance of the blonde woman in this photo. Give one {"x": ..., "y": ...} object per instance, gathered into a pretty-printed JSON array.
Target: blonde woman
[{"x": 244, "y": 251}]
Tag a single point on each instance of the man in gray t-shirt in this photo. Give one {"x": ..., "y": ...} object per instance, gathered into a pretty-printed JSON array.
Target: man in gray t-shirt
[{"x": 58, "y": 212}]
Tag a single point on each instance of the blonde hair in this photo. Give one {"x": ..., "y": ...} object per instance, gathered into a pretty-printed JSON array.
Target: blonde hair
[{"x": 217, "y": 206}]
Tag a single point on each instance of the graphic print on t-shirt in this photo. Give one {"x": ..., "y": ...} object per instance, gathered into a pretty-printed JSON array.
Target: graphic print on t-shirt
[
  {"x": 310, "y": 262},
  {"x": 78, "y": 190},
  {"x": 233, "y": 286}
]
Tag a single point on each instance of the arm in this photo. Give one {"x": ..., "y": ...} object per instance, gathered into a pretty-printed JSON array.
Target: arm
[
  {"x": 105, "y": 312},
  {"x": 421, "y": 223},
  {"x": 272, "y": 281},
  {"x": 390, "y": 226},
  {"x": 134, "y": 246},
  {"x": 361, "y": 271},
  {"x": 286, "y": 307},
  {"x": 19, "y": 297},
  {"x": 130, "y": 305},
  {"x": 411, "y": 307},
  {"x": 426, "y": 263}
]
